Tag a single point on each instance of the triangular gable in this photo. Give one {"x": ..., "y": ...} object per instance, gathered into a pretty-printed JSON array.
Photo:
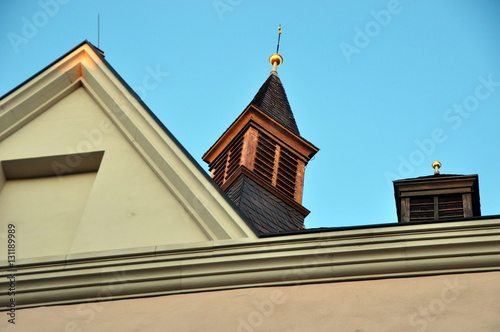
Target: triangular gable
[{"x": 88, "y": 166}]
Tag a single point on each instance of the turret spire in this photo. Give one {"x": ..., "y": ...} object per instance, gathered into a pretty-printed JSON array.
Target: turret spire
[{"x": 260, "y": 159}]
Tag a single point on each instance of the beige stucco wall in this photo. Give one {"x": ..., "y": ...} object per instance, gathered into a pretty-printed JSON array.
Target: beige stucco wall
[
  {"x": 125, "y": 206},
  {"x": 38, "y": 206},
  {"x": 458, "y": 303}
]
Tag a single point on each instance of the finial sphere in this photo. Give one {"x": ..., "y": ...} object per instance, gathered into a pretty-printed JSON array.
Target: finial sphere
[
  {"x": 436, "y": 165},
  {"x": 276, "y": 59}
]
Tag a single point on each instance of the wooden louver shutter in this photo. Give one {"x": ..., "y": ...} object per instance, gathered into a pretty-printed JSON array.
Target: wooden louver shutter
[
  {"x": 436, "y": 207},
  {"x": 450, "y": 206},
  {"x": 227, "y": 162},
  {"x": 276, "y": 164}
]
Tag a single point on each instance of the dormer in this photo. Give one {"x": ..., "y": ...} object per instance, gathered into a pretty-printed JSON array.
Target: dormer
[{"x": 437, "y": 197}]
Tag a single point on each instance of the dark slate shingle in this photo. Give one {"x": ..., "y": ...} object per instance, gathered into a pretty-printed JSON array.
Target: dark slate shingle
[
  {"x": 266, "y": 211},
  {"x": 271, "y": 99}
]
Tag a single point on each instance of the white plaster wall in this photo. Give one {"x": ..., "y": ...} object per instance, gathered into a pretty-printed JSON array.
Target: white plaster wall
[
  {"x": 127, "y": 205},
  {"x": 42, "y": 207},
  {"x": 458, "y": 303}
]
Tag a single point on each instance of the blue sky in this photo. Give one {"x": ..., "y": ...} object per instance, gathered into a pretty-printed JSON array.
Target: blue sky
[{"x": 383, "y": 88}]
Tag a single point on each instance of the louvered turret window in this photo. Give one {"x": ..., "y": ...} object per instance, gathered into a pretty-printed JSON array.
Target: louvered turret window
[
  {"x": 287, "y": 172},
  {"x": 227, "y": 162},
  {"x": 276, "y": 165},
  {"x": 265, "y": 158}
]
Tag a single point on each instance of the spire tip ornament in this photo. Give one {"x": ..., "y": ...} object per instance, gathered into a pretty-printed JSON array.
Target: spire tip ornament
[
  {"x": 276, "y": 59},
  {"x": 436, "y": 165}
]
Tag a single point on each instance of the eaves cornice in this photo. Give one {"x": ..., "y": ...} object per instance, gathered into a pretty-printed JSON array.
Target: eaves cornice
[{"x": 331, "y": 256}]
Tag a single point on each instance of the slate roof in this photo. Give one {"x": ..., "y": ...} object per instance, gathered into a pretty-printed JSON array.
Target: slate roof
[
  {"x": 271, "y": 99},
  {"x": 267, "y": 212}
]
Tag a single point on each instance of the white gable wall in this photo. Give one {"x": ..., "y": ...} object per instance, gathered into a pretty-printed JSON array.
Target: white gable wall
[
  {"x": 146, "y": 190},
  {"x": 127, "y": 206},
  {"x": 43, "y": 208}
]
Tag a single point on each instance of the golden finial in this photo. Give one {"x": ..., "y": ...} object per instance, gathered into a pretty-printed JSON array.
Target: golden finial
[
  {"x": 276, "y": 59},
  {"x": 436, "y": 165}
]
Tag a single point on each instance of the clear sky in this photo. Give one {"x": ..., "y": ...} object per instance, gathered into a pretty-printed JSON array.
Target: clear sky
[{"x": 383, "y": 88}]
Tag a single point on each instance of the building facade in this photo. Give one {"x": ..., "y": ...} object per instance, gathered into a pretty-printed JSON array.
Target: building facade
[{"x": 114, "y": 227}]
